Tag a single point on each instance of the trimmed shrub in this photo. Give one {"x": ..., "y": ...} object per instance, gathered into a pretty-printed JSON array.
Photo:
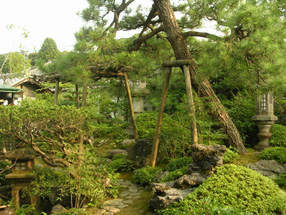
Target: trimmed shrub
[
  {"x": 175, "y": 174},
  {"x": 230, "y": 155},
  {"x": 281, "y": 180},
  {"x": 275, "y": 153},
  {"x": 178, "y": 163},
  {"x": 278, "y": 135},
  {"x": 145, "y": 175},
  {"x": 238, "y": 187}
]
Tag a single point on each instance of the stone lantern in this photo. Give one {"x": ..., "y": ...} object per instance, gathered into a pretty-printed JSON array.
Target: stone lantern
[
  {"x": 264, "y": 119},
  {"x": 21, "y": 176}
]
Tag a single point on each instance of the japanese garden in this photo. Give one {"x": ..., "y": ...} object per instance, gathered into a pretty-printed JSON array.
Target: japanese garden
[{"x": 171, "y": 120}]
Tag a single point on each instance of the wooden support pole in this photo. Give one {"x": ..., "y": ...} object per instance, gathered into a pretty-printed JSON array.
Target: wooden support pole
[
  {"x": 160, "y": 118},
  {"x": 192, "y": 110},
  {"x": 131, "y": 107},
  {"x": 77, "y": 96},
  {"x": 57, "y": 89},
  {"x": 84, "y": 94}
]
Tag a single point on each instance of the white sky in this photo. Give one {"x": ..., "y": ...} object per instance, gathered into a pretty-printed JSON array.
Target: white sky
[{"x": 56, "y": 19}]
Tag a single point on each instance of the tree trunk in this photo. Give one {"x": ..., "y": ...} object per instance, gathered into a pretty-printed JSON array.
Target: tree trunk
[
  {"x": 57, "y": 91},
  {"x": 203, "y": 88},
  {"x": 84, "y": 94}
]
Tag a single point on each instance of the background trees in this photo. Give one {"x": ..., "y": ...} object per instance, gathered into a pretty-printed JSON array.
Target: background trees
[{"x": 49, "y": 50}]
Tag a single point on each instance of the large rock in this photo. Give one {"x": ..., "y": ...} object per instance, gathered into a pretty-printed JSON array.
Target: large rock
[
  {"x": 111, "y": 153},
  {"x": 140, "y": 152},
  {"x": 127, "y": 143},
  {"x": 57, "y": 209},
  {"x": 205, "y": 160},
  {"x": 268, "y": 168}
]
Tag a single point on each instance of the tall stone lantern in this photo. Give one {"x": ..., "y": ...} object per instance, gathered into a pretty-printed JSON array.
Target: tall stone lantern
[{"x": 264, "y": 119}]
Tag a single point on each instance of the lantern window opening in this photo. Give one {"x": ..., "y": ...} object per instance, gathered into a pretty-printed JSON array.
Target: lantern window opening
[
  {"x": 263, "y": 104},
  {"x": 21, "y": 166}
]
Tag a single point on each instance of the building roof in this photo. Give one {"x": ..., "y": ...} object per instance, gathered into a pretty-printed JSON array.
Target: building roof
[{"x": 8, "y": 89}]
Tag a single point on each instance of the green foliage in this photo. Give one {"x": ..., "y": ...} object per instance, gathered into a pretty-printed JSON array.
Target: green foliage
[
  {"x": 122, "y": 165},
  {"x": 48, "y": 51},
  {"x": 175, "y": 139},
  {"x": 119, "y": 156},
  {"x": 274, "y": 153},
  {"x": 241, "y": 107},
  {"x": 178, "y": 163},
  {"x": 281, "y": 180},
  {"x": 74, "y": 211},
  {"x": 278, "y": 135},
  {"x": 230, "y": 155},
  {"x": 145, "y": 175},
  {"x": 3, "y": 165},
  {"x": 237, "y": 187},
  {"x": 208, "y": 206},
  {"x": 85, "y": 181},
  {"x": 27, "y": 210},
  {"x": 175, "y": 174}
]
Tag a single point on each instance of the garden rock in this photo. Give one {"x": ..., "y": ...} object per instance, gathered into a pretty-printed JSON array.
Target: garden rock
[
  {"x": 268, "y": 168},
  {"x": 127, "y": 143},
  {"x": 111, "y": 153},
  {"x": 57, "y": 209},
  {"x": 205, "y": 160},
  {"x": 8, "y": 211},
  {"x": 140, "y": 152}
]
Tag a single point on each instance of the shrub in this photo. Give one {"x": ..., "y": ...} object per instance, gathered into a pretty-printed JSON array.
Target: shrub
[
  {"x": 278, "y": 137},
  {"x": 275, "y": 153},
  {"x": 230, "y": 155},
  {"x": 238, "y": 187},
  {"x": 178, "y": 163},
  {"x": 145, "y": 175},
  {"x": 281, "y": 180},
  {"x": 175, "y": 174},
  {"x": 119, "y": 156},
  {"x": 122, "y": 165},
  {"x": 208, "y": 206}
]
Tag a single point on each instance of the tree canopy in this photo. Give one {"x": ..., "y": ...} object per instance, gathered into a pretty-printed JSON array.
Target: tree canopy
[{"x": 49, "y": 50}]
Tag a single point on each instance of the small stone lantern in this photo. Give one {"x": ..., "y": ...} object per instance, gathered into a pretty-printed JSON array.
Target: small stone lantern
[
  {"x": 23, "y": 160},
  {"x": 264, "y": 119}
]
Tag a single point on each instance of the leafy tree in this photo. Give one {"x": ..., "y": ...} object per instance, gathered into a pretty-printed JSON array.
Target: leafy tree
[
  {"x": 49, "y": 50},
  {"x": 18, "y": 63}
]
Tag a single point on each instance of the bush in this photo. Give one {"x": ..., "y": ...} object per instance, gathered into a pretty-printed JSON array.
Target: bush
[
  {"x": 281, "y": 180},
  {"x": 145, "y": 175},
  {"x": 238, "y": 187},
  {"x": 230, "y": 155},
  {"x": 175, "y": 174},
  {"x": 119, "y": 156},
  {"x": 122, "y": 165},
  {"x": 178, "y": 163},
  {"x": 278, "y": 137},
  {"x": 275, "y": 153},
  {"x": 208, "y": 206}
]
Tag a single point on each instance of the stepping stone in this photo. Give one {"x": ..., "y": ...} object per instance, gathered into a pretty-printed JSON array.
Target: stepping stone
[{"x": 128, "y": 201}]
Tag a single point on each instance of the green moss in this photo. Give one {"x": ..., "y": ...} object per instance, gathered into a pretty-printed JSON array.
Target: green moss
[
  {"x": 145, "y": 175},
  {"x": 238, "y": 187},
  {"x": 230, "y": 156}
]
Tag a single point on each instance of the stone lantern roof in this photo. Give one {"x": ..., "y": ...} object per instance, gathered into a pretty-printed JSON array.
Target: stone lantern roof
[{"x": 21, "y": 154}]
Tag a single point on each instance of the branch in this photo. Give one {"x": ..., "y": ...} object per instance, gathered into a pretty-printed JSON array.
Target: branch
[
  {"x": 142, "y": 39},
  {"x": 201, "y": 34},
  {"x": 152, "y": 14}
]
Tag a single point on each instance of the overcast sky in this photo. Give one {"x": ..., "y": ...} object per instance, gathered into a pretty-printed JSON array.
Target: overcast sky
[{"x": 56, "y": 19}]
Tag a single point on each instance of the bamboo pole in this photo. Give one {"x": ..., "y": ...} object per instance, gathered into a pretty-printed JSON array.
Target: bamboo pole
[
  {"x": 131, "y": 107},
  {"x": 192, "y": 110},
  {"x": 160, "y": 118}
]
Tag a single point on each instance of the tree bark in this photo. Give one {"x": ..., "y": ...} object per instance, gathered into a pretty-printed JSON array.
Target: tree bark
[{"x": 204, "y": 89}]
